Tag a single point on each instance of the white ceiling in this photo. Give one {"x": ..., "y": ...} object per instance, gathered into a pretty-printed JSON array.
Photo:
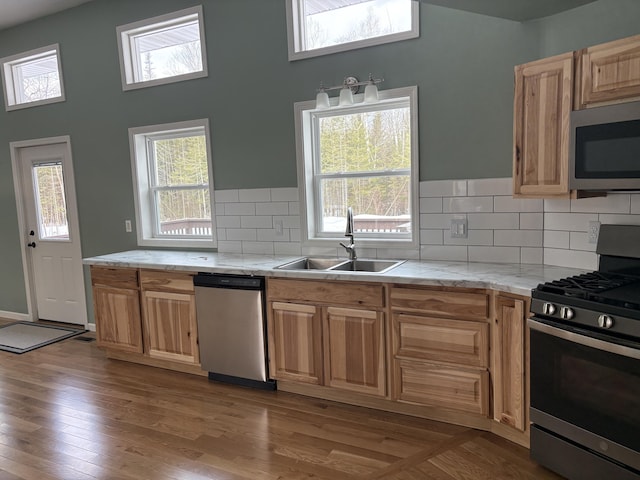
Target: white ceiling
[{"x": 14, "y": 12}]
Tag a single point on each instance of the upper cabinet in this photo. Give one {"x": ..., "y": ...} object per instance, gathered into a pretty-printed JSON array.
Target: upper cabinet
[
  {"x": 546, "y": 91},
  {"x": 542, "y": 106},
  {"x": 609, "y": 73}
]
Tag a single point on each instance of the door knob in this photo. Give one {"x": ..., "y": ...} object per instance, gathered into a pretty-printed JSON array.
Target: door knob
[
  {"x": 32, "y": 233},
  {"x": 32, "y": 244}
]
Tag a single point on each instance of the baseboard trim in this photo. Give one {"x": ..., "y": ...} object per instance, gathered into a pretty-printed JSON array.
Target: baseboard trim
[{"x": 21, "y": 317}]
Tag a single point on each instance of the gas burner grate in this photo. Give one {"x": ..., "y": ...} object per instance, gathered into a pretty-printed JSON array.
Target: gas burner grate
[{"x": 587, "y": 285}]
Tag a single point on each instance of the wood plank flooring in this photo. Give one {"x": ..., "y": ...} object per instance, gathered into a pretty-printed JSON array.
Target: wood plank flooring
[{"x": 68, "y": 413}]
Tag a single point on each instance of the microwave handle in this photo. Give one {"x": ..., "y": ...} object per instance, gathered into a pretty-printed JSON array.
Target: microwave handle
[{"x": 584, "y": 340}]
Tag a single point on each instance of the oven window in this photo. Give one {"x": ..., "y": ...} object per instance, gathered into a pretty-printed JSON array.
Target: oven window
[{"x": 595, "y": 390}]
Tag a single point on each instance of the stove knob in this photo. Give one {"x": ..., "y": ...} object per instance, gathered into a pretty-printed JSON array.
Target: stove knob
[
  {"x": 548, "y": 309},
  {"x": 605, "y": 321},
  {"x": 566, "y": 313}
]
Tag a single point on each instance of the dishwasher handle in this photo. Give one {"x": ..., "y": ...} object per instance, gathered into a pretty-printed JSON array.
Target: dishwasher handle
[{"x": 219, "y": 280}]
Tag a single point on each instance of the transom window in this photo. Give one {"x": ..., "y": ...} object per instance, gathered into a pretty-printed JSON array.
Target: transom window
[
  {"x": 162, "y": 49},
  {"x": 32, "y": 78},
  {"x": 363, "y": 156},
  {"x": 320, "y": 27},
  {"x": 173, "y": 179}
]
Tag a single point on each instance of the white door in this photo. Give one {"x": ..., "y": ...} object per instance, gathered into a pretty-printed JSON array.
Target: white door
[{"x": 50, "y": 221}]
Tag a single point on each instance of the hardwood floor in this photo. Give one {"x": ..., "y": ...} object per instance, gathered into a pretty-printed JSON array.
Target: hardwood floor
[{"x": 66, "y": 412}]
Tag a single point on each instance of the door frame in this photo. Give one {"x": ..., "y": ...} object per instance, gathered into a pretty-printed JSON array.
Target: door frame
[{"x": 74, "y": 223}]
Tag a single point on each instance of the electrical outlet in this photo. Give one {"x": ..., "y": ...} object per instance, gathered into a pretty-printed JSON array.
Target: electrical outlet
[
  {"x": 279, "y": 228},
  {"x": 127, "y": 226},
  {"x": 594, "y": 231},
  {"x": 459, "y": 228}
]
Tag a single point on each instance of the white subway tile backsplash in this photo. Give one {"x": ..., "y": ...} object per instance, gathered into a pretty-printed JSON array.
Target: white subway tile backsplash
[
  {"x": 443, "y": 188},
  {"x": 287, "y": 248},
  {"x": 271, "y": 235},
  {"x": 295, "y": 234},
  {"x": 612, "y": 203},
  {"x": 635, "y": 203},
  {"x": 322, "y": 251},
  {"x": 239, "y": 208},
  {"x": 467, "y": 204},
  {"x": 474, "y": 237},
  {"x": 556, "y": 239},
  {"x": 531, "y": 221},
  {"x": 518, "y": 238},
  {"x": 557, "y": 205},
  {"x": 571, "y": 258},
  {"x": 619, "y": 219},
  {"x": 398, "y": 253},
  {"x": 494, "y": 254},
  {"x": 490, "y": 186},
  {"x": 229, "y": 247},
  {"x": 510, "y": 204},
  {"x": 221, "y": 234},
  {"x": 241, "y": 234},
  {"x": 294, "y": 208},
  {"x": 255, "y": 195},
  {"x": 576, "y": 222},
  {"x": 446, "y": 253},
  {"x": 288, "y": 221},
  {"x": 437, "y": 220},
  {"x": 494, "y": 221},
  {"x": 225, "y": 196},
  {"x": 580, "y": 241},
  {"x": 431, "y": 205},
  {"x": 272, "y": 208},
  {"x": 256, "y": 222},
  {"x": 431, "y": 237},
  {"x": 262, "y": 248},
  {"x": 228, "y": 221},
  {"x": 284, "y": 194},
  {"x": 531, "y": 255}
]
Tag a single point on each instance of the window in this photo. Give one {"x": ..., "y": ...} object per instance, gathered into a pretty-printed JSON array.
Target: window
[
  {"x": 165, "y": 49},
  {"x": 362, "y": 156},
  {"x": 321, "y": 27},
  {"x": 32, "y": 78},
  {"x": 173, "y": 184}
]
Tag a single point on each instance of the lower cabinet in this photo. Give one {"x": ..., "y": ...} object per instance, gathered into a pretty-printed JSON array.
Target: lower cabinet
[
  {"x": 510, "y": 361},
  {"x": 116, "y": 303},
  {"x": 328, "y": 333}
]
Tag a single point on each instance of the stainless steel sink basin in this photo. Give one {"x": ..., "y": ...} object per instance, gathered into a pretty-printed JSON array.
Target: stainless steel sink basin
[
  {"x": 374, "y": 266},
  {"x": 310, "y": 263},
  {"x": 341, "y": 265}
]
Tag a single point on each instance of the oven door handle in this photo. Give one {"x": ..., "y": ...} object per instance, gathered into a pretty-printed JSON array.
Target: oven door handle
[{"x": 584, "y": 340}]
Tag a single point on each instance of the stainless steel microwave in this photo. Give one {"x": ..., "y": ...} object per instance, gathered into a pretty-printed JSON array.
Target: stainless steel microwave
[{"x": 604, "y": 148}]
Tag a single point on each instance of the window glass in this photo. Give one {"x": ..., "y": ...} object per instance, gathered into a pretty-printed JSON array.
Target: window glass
[
  {"x": 163, "y": 49},
  {"x": 32, "y": 78},
  {"x": 318, "y": 27}
]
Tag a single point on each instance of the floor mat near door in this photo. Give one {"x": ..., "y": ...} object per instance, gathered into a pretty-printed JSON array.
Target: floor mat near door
[{"x": 21, "y": 337}]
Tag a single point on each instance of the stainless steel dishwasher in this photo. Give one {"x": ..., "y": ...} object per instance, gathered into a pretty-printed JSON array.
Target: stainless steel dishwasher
[{"x": 231, "y": 329}]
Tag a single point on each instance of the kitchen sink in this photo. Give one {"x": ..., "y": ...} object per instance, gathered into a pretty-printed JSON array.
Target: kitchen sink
[
  {"x": 310, "y": 263},
  {"x": 341, "y": 265},
  {"x": 375, "y": 266}
]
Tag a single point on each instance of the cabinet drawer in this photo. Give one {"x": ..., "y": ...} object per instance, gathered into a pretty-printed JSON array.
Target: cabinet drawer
[
  {"x": 443, "y": 387},
  {"x": 327, "y": 292},
  {"x": 114, "y": 277},
  {"x": 163, "y": 281},
  {"x": 473, "y": 305},
  {"x": 441, "y": 340}
]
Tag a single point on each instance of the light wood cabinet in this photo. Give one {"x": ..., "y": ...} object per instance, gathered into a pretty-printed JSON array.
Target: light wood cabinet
[
  {"x": 510, "y": 354},
  {"x": 328, "y": 333},
  {"x": 116, "y": 305},
  {"x": 542, "y": 106},
  {"x": 609, "y": 73},
  {"x": 295, "y": 342},
  {"x": 440, "y": 348},
  {"x": 169, "y": 313},
  {"x": 354, "y": 350}
]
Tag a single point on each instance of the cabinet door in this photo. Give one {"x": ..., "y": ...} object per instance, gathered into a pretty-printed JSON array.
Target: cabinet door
[
  {"x": 610, "y": 72},
  {"x": 542, "y": 105},
  {"x": 170, "y": 326},
  {"x": 117, "y": 315},
  {"x": 509, "y": 354},
  {"x": 354, "y": 350},
  {"x": 295, "y": 337}
]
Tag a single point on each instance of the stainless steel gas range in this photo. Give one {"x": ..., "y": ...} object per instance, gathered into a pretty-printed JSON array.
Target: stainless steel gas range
[{"x": 585, "y": 365}]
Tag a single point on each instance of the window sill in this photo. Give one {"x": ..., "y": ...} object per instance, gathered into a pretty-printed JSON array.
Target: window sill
[{"x": 177, "y": 243}]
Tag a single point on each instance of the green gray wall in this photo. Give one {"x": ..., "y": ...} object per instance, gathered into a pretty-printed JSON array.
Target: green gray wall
[{"x": 462, "y": 64}]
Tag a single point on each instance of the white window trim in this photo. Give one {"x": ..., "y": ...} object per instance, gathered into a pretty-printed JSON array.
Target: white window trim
[
  {"x": 304, "y": 145},
  {"x": 294, "y": 42},
  {"x": 10, "y": 100},
  {"x": 144, "y": 209},
  {"x": 127, "y": 65}
]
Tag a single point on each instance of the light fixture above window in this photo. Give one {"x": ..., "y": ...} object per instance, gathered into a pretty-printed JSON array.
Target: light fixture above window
[{"x": 349, "y": 87}]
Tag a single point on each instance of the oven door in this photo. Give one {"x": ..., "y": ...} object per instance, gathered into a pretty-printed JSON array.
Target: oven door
[{"x": 586, "y": 389}]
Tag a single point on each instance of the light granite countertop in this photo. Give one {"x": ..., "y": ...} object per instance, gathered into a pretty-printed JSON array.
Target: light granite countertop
[{"x": 513, "y": 278}]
